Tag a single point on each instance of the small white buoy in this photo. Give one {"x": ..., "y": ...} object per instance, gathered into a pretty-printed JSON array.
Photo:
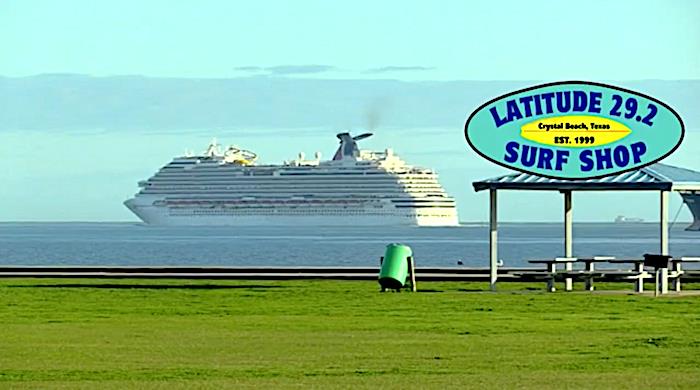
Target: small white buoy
[{"x": 499, "y": 263}]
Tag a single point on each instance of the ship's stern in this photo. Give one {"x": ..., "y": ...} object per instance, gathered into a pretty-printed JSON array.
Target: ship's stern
[{"x": 692, "y": 200}]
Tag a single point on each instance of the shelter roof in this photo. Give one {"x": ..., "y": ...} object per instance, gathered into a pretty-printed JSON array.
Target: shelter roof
[{"x": 653, "y": 177}]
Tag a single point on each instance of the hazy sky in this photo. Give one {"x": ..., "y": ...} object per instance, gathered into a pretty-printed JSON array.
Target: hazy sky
[{"x": 86, "y": 176}]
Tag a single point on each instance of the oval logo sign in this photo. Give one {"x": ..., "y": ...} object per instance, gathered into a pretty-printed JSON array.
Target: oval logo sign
[{"x": 574, "y": 130}]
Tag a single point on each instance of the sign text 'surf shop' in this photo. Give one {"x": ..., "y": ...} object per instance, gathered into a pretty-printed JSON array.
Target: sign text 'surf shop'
[{"x": 574, "y": 130}]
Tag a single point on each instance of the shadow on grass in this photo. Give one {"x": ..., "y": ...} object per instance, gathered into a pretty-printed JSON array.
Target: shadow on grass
[{"x": 147, "y": 286}]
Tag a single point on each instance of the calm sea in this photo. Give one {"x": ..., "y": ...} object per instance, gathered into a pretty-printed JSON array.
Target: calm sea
[{"x": 137, "y": 244}]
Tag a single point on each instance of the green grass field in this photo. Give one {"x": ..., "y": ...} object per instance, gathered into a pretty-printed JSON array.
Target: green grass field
[{"x": 200, "y": 334}]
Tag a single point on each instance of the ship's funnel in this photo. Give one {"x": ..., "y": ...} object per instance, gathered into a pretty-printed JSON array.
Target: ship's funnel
[{"x": 348, "y": 147}]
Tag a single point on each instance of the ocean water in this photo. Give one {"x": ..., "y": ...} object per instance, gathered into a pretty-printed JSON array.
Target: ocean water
[{"x": 138, "y": 244}]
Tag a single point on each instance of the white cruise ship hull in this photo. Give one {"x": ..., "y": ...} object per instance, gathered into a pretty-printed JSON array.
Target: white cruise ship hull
[
  {"x": 355, "y": 188},
  {"x": 164, "y": 216}
]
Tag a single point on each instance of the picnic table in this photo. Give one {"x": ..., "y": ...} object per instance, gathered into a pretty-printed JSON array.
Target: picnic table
[
  {"x": 676, "y": 264},
  {"x": 588, "y": 272},
  {"x": 551, "y": 270},
  {"x": 673, "y": 273},
  {"x": 637, "y": 273}
]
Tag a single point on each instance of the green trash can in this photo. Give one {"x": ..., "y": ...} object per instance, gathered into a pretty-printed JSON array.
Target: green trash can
[{"x": 394, "y": 269}]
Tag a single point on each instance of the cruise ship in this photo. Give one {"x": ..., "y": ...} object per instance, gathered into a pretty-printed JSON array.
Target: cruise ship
[{"x": 356, "y": 187}]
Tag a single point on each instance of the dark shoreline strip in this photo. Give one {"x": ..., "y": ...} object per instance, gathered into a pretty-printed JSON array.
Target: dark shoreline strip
[{"x": 274, "y": 273}]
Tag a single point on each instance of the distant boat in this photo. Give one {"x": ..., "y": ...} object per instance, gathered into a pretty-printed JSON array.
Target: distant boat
[{"x": 623, "y": 219}]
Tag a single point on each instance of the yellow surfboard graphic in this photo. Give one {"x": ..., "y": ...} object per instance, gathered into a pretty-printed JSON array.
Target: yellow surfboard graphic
[{"x": 575, "y": 131}]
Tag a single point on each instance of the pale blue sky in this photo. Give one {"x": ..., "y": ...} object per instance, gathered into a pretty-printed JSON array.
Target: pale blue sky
[
  {"x": 474, "y": 40},
  {"x": 74, "y": 175}
]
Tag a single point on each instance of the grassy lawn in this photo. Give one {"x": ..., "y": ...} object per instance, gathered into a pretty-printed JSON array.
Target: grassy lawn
[{"x": 185, "y": 334}]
